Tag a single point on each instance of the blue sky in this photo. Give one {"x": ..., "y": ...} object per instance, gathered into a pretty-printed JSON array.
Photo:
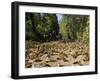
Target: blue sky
[{"x": 59, "y": 17}]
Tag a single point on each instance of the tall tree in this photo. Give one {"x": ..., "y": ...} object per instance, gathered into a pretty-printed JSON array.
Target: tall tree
[
  {"x": 86, "y": 31},
  {"x": 48, "y": 27},
  {"x": 72, "y": 27},
  {"x": 28, "y": 27}
]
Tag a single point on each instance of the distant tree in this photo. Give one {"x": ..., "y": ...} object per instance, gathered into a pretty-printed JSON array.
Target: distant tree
[
  {"x": 64, "y": 28},
  {"x": 45, "y": 27},
  {"x": 32, "y": 20},
  {"x": 73, "y": 27},
  {"x": 67, "y": 29},
  {"x": 54, "y": 27},
  {"x": 86, "y": 31},
  {"x": 28, "y": 25},
  {"x": 48, "y": 27},
  {"x": 41, "y": 26}
]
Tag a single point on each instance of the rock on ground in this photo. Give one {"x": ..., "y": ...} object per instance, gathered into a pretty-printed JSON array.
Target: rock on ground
[{"x": 56, "y": 54}]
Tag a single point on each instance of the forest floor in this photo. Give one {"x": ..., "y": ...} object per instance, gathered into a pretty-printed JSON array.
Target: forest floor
[{"x": 56, "y": 54}]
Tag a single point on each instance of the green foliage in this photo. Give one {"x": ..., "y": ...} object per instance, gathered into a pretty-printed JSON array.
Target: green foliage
[
  {"x": 41, "y": 28},
  {"x": 68, "y": 28},
  {"x": 75, "y": 28},
  {"x": 45, "y": 27},
  {"x": 51, "y": 27},
  {"x": 64, "y": 28},
  {"x": 86, "y": 32},
  {"x": 29, "y": 30}
]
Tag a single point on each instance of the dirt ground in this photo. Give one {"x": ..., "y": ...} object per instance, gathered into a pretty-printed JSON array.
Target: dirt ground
[{"x": 56, "y": 54}]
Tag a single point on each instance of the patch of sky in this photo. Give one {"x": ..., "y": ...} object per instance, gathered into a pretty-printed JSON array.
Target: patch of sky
[{"x": 59, "y": 17}]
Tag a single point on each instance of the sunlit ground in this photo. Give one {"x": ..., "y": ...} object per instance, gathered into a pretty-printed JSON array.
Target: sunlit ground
[{"x": 56, "y": 54}]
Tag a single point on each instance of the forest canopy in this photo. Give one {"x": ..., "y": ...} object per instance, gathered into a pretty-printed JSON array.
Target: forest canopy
[{"x": 45, "y": 27}]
